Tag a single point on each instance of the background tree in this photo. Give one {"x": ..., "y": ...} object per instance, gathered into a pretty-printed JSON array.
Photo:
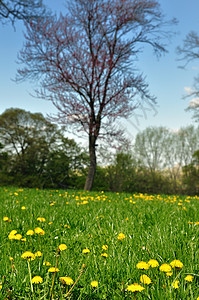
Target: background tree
[
  {"x": 188, "y": 52},
  {"x": 85, "y": 63},
  {"x": 39, "y": 154},
  {"x": 20, "y": 9}
]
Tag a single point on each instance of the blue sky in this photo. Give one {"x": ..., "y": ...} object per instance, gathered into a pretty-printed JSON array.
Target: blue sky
[{"x": 166, "y": 81}]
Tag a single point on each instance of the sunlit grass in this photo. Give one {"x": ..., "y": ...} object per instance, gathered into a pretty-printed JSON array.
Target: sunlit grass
[{"x": 117, "y": 230}]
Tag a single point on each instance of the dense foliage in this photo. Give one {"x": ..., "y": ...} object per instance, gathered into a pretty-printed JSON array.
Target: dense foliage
[{"x": 35, "y": 153}]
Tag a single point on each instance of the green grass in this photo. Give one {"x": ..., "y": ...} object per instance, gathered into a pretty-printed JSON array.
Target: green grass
[{"x": 155, "y": 227}]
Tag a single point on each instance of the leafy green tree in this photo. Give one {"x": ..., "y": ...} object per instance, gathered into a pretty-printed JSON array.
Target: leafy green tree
[{"x": 191, "y": 175}]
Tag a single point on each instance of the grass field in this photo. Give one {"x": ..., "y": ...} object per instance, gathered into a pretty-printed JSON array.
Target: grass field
[{"x": 80, "y": 245}]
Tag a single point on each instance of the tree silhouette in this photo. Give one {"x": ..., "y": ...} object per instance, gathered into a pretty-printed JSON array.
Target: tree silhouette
[{"x": 85, "y": 63}]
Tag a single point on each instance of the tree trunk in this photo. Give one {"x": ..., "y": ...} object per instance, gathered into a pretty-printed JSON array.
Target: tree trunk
[{"x": 93, "y": 163}]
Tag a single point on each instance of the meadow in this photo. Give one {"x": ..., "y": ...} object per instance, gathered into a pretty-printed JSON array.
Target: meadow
[{"x": 58, "y": 244}]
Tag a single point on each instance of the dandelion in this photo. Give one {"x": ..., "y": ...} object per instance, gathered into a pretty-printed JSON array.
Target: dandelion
[
  {"x": 189, "y": 278},
  {"x": 18, "y": 237},
  {"x": 165, "y": 268},
  {"x": 41, "y": 219},
  {"x": 30, "y": 232},
  {"x": 142, "y": 265},
  {"x": 38, "y": 254},
  {"x": 37, "y": 279},
  {"x": 169, "y": 274},
  {"x": 104, "y": 255},
  {"x": 62, "y": 247},
  {"x": 175, "y": 284},
  {"x": 121, "y": 236},
  {"x": 23, "y": 240},
  {"x": 85, "y": 251},
  {"x": 66, "y": 226},
  {"x": 176, "y": 264},
  {"x": 105, "y": 247},
  {"x": 53, "y": 270},
  {"x": 40, "y": 231},
  {"x": 145, "y": 279},
  {"x": 6, "y": 219},
  {"x": 46, "y": 263},
  {"x": 23, "y": 207},
  {"x": 28, "y": 255},
  {"x": 94, "y": 284},
  {"x": 135, "y": 287},
  {"x": 66, "y": 280},
  {"x": 153, "y": 263}
]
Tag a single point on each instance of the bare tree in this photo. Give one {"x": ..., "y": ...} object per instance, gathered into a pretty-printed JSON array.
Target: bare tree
[
  {"x": 188, "y": 52},
  {"x": 85, "y": 63},
  {"x": 20, "y": 9}
]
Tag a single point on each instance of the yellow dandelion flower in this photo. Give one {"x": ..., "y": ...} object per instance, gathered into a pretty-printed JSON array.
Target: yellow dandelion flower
[
  {"x": 165, "y": 268},
  {"x": 11, "y": 258},
  {"x": 153, "y": 263},
  {"x": 53, "y": 270},
  {"x": 94, "y": 283},
  {"x": 85, "y": 251},
  {"x": 23, "y": 207},
  {"x": 23, "y": 240},
  {"x": 18, "y": 237},
  {"x": 5, "y": 219},
  {"x": 189, "y": 278},
  {"x": 176, "y": 264},
  {"x": 105, "y": 247},
  {"x": 28, "y": 255},
  {"x": 30, "y": 232},
  {"x": 104, "y": 255},
  {"x": 13, "y": 232},
  {"x": 66, "y": 226},
  {"x": 46, "y": 263},
  {"x": 62, "y": 247},
  {"x": 40, "y": 231},
  {"x": 142, "y": 265},
  {"x": 135, "y": 287},
  {"x": 145, "y": 279},
  {"x": 66, "y": 280},
  {"x": 175, "y": 284},
  {"x": 38, "y": 254},
  {"x": 169, "y": 274},
  {"x": 121, "y": 236},
  {"x": 37, "y": 279},
  {"x": 41, "y": 219}
]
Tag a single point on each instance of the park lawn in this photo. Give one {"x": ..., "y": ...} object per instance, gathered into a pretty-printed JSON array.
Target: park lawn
[{"x": 100, "y": 243}]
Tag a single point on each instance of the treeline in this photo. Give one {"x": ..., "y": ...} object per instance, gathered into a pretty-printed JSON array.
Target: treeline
[{"x": 35, "y": 153}]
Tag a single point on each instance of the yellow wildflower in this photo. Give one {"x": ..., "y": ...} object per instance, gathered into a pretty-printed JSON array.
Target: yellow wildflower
[
  {"x": 41, "y": 219},
  {"x": 145, "y": 279},
  {"x": 121, "y": 236},
  {"x": 104, "y": 255},
  {"x": 39, "y": 231},
  {"x": 153, "y": 263},
  {"x": 189, "y": 278},
  {"x": 142, "y": 265},
  {"x": 105, "y": 247},
  {"x": 46, "y": 263},
  {"x": 165, "y": 268},
  {"x": 85, "y": 251},
  {"x": 62, "y": 247},
  {"x": 37, "y": 279},
  {"x": 53, "y": 270},
  {"x": 23, "y": 207},
  {"x": 30, "y": 232},
  {"x": 135, "y": 287},
  {"x": 28, "y": 255},
  {"x": 94, "y": 283},
  {"x": 38, "y": 254},
  {"x": 175, "y": 284},
  {"x": 66, "y": 280},
  {"x": 176, "y": 264}
]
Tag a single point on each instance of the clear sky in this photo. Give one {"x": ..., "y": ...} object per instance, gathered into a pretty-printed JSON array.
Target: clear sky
[{"x": 166, "y": 81}]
